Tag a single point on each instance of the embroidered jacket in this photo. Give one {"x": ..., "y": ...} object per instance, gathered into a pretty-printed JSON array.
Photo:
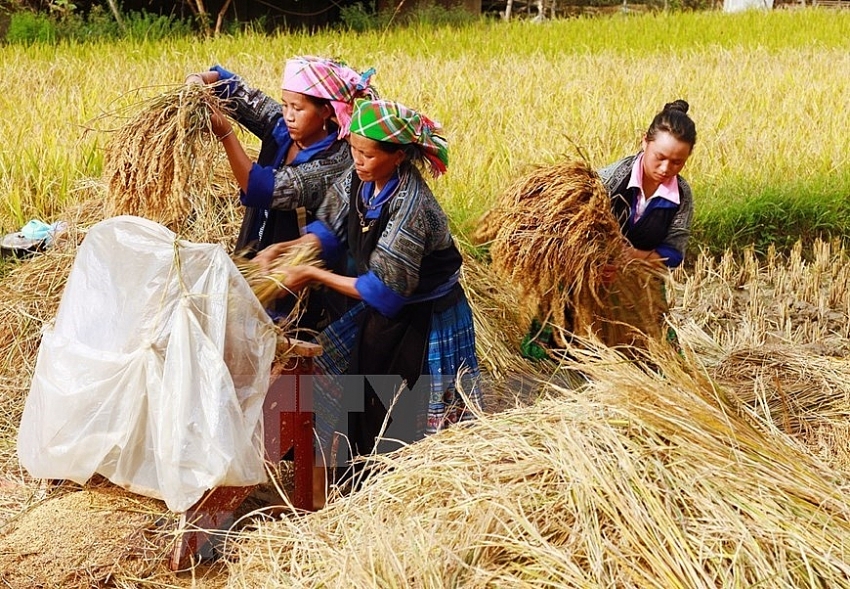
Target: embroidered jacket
[
  {"x": 276, "y": 191},
  {"x": 414, "y": 255}
]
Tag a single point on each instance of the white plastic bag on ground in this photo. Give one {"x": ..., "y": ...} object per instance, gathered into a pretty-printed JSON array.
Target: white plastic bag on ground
[{"x": 154, "y": 371}]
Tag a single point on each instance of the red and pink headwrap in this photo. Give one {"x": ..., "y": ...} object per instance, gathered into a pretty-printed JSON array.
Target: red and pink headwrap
[{"x": 334, "y": 81}]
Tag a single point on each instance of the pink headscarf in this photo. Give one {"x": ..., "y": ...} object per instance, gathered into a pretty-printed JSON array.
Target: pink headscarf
[{"x": 334, "y": 81}]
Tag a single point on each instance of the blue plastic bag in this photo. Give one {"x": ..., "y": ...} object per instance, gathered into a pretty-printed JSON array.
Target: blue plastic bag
[{"x": 41, "y": 231}]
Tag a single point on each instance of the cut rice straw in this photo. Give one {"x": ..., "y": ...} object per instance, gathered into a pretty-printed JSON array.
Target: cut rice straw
[
  {"x": 269, "y": 284},
  {"x": 161, "y": 164},
  {"x": 773, "y": 331},
  {"x": 746, "y": 301},
  {"x": 499, "y": 318},
  {"x": 637, "y": 480}
]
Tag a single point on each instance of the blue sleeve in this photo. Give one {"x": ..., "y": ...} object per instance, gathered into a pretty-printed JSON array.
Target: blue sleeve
[
  {"x": 672, "y": 256},
  {"x": 260, "y": 187},
  {"x": 227, "y": 82},
  {"x": 378, "y": 295},
  {"x": 331, "y": 248}
]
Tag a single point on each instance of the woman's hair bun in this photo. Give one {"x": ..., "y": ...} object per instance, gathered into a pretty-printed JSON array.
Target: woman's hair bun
[
  {"x": 674, "y": 119},
  {"x": 679, "y": 105}
]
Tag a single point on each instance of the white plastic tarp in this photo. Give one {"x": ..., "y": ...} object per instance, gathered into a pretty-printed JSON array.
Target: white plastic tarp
[{"x": 154, "y": 371}]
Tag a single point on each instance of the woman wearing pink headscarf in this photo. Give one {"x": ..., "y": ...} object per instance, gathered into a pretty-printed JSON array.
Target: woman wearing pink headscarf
[{"x": 303, "y": 146}]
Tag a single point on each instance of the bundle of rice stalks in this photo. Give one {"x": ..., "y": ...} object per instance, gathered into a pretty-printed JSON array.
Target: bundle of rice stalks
[
  {"x": 162, "y": 164},
  {"x": 638, "y": 480},
  {"x": 486, "y": 228},
  {"x": 500, "y": 324},
  {"x": 269, "y": 283},
  {"x": 633, "y": 307},
  {"x": 784, "y": 389},
  {"x": 555, "y": 237}
]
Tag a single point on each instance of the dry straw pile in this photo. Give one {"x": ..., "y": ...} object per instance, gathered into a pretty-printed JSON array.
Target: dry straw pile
[
  {"x": 553, "y": 234},
  {"x": 637, "y": 480},
  {"x": 775, "y": 333},
  {"x": 499, "y": 318},
  {"x": 803, "y": 396}
]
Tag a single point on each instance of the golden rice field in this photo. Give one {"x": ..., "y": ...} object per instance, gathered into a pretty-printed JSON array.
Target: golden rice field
[
  {"x": 765, "y": 91},
  {"x": 725, "y": 465}
]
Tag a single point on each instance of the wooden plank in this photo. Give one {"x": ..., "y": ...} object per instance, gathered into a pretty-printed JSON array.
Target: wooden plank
[{"x": 299, "y": 348}]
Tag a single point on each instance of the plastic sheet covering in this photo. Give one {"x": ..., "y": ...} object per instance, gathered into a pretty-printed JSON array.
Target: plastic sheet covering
[{"x": 154, "y": 371}]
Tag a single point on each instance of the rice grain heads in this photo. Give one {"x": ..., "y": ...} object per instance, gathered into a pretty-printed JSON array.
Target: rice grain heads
[
  {"x": 554, "y": 235},
  {"x": 161, "y": 165},
  {"x": 84, "y": 538},
  {"x": 269, "y": 283},
  {"x": 639, "y": 480}
]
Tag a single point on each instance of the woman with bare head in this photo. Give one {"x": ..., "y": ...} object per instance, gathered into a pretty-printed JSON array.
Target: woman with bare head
[
  {"x": 654, "y": 207},
  {"x": 649, "y": 197}
]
